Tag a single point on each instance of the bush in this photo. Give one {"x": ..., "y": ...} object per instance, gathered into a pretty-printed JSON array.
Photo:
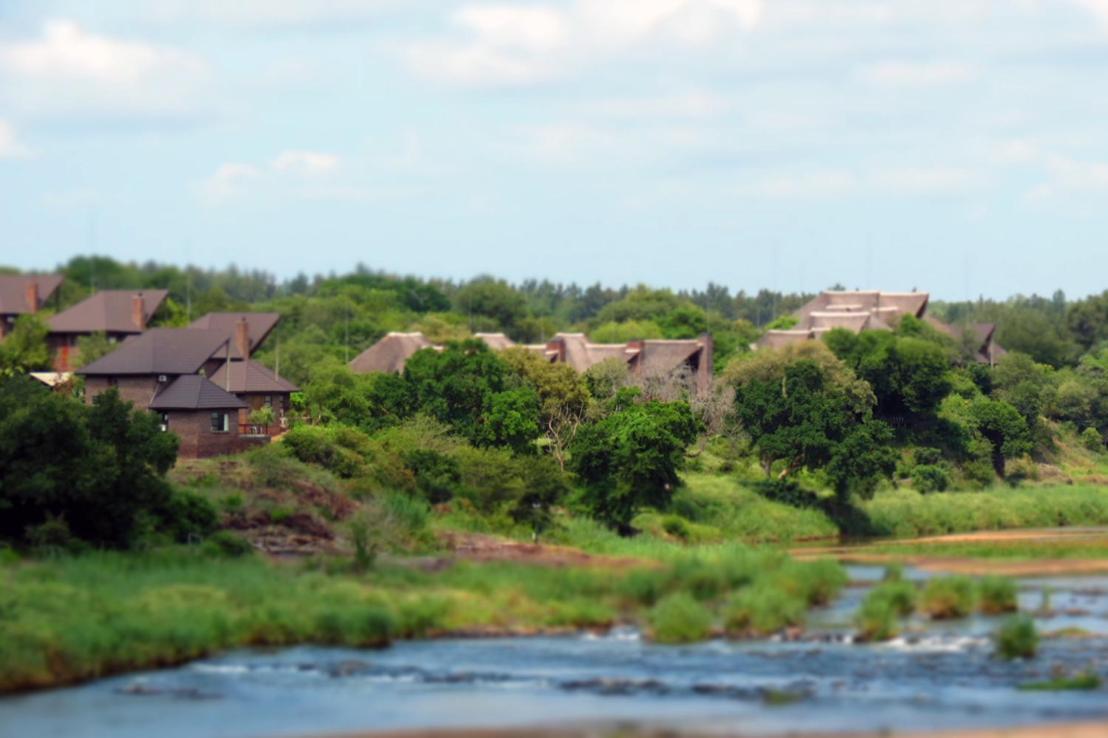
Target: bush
[
  {"x": 1017, "y": 638},
  {"x": 437, "y": 475},
  {"x": 1092, "y": 440},
  {"x": 762, "y": 609},
  {"x": 330, "y": 448},
  {"x": 948, "y": 597},
  {"x": 228, "y": 544},
  {"x": 678, "y": 618},
  {"x": 930, "y": 478},
  {"x": 188, "y": 516},
  {"x": 878, "y": 617},
  {"x": 997, "y": 595}
]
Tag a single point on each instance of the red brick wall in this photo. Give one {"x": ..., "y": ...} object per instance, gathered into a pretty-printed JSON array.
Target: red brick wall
[
  {"x": 198, "y": 440},
  {"x": 139, "y": 390}
]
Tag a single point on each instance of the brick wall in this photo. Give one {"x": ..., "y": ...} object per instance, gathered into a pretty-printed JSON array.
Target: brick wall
[
  {"x": 139, "y": 390},
  {"x": 198, "y": 440}
]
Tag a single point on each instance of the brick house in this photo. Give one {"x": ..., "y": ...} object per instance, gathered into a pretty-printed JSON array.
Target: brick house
[
  {"x": 203, "y": 416},
  {"x": 24, "y": 295},
  {"x": 118, "y": 314}
]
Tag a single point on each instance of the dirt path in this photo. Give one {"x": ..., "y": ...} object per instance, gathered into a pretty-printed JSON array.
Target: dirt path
[{"x": 871, "y": 553}]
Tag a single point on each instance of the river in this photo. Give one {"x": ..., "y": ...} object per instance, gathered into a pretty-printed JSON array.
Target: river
[{"x": 941, "y": 675}]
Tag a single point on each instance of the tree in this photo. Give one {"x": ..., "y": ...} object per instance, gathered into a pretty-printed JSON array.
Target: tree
[
  {"x": 466, "y": 387},
  {"x": 98, "y": 470},
  {"x": 1004, "y": 427},
  {"x": 564, "y": 399},
  {"x": 491, "y": 298},
  {"x": 92, "y": 347},
  {"x": 24, "y": 349},
  {"x": 861, "y": 460},
  {"x": 631, "y": 458}
]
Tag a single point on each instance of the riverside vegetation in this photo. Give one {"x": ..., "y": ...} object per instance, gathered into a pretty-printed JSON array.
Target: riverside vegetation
[{"x": 117, "y": 556}]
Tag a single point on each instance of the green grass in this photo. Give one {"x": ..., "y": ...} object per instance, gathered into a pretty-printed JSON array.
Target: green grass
[
  {"x": 71, "y": 619},
  {"x": 948, "y": 597},
  {"x": 1017, "y": 638},
  {"x": 1016, "y": 550},
  {"x": 1088, "y": 680},
  {"x": 996, "y": 595},
  {"x": 878, "y": 618},
  {"x": 904, "y": 513}
]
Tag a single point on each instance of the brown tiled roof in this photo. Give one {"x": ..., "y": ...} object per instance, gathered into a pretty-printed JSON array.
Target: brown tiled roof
[
  {"x": 160, "y": 351},
  {"x": 194, "y": 392},
  {"x": 258, "y": 326},
  {"x": 13, "y": 292},
  {"x": 390, "y": 353},
  {"x": 109, "y": 311},
  {"x": 251, "y": 377}
]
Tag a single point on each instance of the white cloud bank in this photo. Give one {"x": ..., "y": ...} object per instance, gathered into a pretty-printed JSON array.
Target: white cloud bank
[
  {"x": 10, "y": 145},
  {"x": 70, "y": 68},
  {"x": 512, "y": 45}
]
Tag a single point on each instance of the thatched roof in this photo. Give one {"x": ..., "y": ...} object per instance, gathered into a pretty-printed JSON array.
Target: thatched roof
[
  {"x": 855, "y": 311},
  {"x": 495, "y": 341},
  {"x": 390, "y": 354}
]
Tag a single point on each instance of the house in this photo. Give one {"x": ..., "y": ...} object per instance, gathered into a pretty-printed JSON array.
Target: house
[
  {"x": 258, "y": 387},
  {"x": 118, "y": 314},
  {"x": 863, "y": 310},
  {"x": 390, "y": 354},
  {"x": 643, "y": 358},
  {"x": 24, "y": 295},
  {"x": 172, "y": 371},
  {"x": 203, "y": 416},
  {"x": 978, "y": 338},
  {"x": 143, "y": 366}
]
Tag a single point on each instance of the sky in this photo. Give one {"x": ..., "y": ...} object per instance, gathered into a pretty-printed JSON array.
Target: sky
[{"x": 953, "y": 146}]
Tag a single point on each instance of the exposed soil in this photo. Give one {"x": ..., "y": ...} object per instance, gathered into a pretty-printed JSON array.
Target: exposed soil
[
  {"x": 867, "y": 553},
  {"x": 481, "y": 547}
]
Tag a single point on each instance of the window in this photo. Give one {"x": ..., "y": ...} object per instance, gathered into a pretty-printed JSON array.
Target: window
[
  {"x": 220, "y": 422},
  {"x": 113, "y": 382},
  {"x": 164, "y": 421},
  {"x": 269, "y": 400}
]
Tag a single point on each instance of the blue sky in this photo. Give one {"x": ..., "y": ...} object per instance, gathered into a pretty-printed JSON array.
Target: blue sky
[{"x": 956, "y": 146}]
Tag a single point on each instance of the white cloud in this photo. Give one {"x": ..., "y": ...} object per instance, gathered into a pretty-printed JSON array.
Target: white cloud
[
  {"x": 305, "y": 162},
  {"x": 68, "y": 68},
  {"x": 235, "y": 178},
  {"x": 1099, "y": 8},
  {"x": 688, "y": 104},
  {"x": 512, "y": 45},
  {"x": 803, "y": 185},
  {"x": 927, "y": 180},
  {"x": 10, "y": 145},
  {"x": 272, "y": 12},
  {"x": 1065, "y": 175},
  {"x": 917, "y": 74}
]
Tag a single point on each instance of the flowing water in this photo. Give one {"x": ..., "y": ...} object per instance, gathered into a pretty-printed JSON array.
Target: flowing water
[{"x": 940, "y": 675}]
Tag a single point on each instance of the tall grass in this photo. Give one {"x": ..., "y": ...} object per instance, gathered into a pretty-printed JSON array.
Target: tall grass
[{"x": 78, "y": 618}]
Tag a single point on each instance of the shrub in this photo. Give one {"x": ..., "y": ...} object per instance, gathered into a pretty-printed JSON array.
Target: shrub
[
  {"x": 188, "y": 516},
  {"x": 997, "y": 595},
  {"x": 1087, "y": 680},
  {"x": 1017, "y": 638},
  {"x": 365, "y": 549},
  {"x": 228, "y": 544},
  {"x": 930, "y": 478},
  {"x": 948, "y": 597},
  {"x": 437, "y": 475},
  {"x": 678, "y": 618},
  {"x": 877, "y": 618},
  {"x": 762, "y": 609},
  {"x": 676, "y": 526},
  {"x": 317, "y": 445},
  {"x": 1092, "y": 440}
]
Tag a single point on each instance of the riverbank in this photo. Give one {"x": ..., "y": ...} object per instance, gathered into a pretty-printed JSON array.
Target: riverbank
[{"x": 1053, "y": 730}]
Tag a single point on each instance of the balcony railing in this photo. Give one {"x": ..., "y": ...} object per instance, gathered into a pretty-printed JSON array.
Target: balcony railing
[{"x": 253, "y": 429}]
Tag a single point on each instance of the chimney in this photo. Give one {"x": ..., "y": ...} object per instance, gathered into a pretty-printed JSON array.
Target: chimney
[
  {"x": 242, "y": 338},
  {"x": 138, "y": 311},
  {"x": 32, "y": 296}
]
